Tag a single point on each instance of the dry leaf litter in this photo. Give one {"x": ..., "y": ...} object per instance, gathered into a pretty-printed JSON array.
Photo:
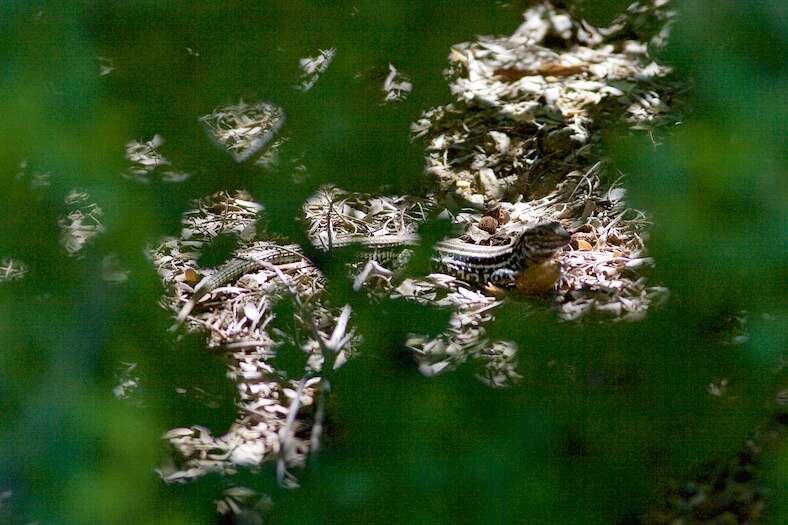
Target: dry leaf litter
[
  {"x": 81, "y": 222},
  {"x": 520, "y": 138},
  {"x": 517, "y": 146}
]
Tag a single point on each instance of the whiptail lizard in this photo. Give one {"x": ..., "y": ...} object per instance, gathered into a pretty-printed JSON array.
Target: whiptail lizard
[{"x": 472, "y": 263}]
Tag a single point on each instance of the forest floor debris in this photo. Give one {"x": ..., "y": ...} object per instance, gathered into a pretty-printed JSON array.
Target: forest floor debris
[
  {"x": 520, "y": 143},
  {"x": 521, "y": 138}
]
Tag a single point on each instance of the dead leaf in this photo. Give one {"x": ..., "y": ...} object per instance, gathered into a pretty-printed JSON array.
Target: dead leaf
[
  {"x": 584, "y": 246},
  {"x": 191, "y": 277},
  {"x": 557, "y": 69},
  {"x": 510, "y": 74},
  {"x": 553, "y": 69}
]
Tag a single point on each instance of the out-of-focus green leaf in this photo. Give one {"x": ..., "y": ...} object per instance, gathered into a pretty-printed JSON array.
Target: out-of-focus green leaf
[{"x": 604, "y": 412}]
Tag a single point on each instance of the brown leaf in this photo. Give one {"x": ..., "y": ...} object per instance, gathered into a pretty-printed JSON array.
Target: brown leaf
[
  {"x": 553, "y": 69},
  {"x": 191, "y": 277},
  {"x": 557, "y": 69},
  {"x": 510, "y": 74},
  {"x": 583, "y": 245}
]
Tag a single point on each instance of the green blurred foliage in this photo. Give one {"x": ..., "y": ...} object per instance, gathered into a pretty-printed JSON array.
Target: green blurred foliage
[{"x": 590, "y": 446}]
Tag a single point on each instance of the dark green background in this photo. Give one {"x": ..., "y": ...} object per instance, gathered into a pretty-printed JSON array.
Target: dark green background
[{"x": 401, "y": 448}]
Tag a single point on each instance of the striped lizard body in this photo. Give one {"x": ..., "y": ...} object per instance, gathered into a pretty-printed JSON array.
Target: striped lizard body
[
  {"x": 234, "y": 269},
  {"x": 478, "y": 264},
  {"x": 475, "y": 264}
]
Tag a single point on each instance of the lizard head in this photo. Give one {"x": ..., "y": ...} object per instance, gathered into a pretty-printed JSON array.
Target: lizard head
[{"x": 540, "y": 242}]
